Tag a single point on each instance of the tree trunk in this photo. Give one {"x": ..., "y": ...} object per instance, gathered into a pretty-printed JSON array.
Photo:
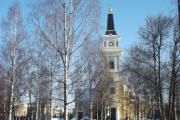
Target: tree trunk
[
  {"x": 13, "y": 54},
  {"x": 138, "y": 108},
  {"x": 90, "y": 90},
  {"x": 30, "y": 92},
  {"x": 66, "y": 46},
  {"x": 37, "y": 106},
  {"x": 38, "y": 96},
  {"x": 51, "y": 82},
  {"x": 11, "y": 99},
  {"x": 97, "y": 109},
  {"x": 172, "y": 91}
]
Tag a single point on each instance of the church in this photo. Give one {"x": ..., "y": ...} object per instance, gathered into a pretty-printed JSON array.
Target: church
[
  {"x": 120, "y": 102},
  {"x": 112, "y": 54}
]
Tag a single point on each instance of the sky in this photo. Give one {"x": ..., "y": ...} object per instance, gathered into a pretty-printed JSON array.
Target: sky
[{"x": 129, "y": 15}]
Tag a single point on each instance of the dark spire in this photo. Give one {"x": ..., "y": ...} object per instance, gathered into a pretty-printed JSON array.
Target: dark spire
[{"x": 110, "y": 24}]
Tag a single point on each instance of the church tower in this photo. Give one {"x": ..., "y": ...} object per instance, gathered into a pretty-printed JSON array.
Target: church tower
[
  {"x": 111, "y": 47},
  {"x": 112, "y": 54},
  {"x": 120, "y": 103}
]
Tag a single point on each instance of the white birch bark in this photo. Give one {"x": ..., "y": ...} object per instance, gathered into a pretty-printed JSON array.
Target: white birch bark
[
  {"x": 37, "y": 105},
  {"x": 66, "y": 47},
  {"x": 13, "y": 55},
  {"x": 51, "y": 79},
  {"x": 38, "y": 85}
]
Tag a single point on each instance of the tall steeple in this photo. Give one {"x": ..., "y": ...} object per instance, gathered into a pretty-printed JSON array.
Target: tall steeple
[{"x": 110, "y": 24}]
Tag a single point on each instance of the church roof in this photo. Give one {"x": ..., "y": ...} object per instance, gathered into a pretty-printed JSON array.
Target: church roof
[
  {"x": 110, "y": 25},
  {"x": 83, "y": 95}
]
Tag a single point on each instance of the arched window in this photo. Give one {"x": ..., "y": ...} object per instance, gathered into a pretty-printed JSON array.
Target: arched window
[
  {"x": 116, "y": 43},
  {"x": 112, "y": 91},
  {"x": 104, "y": 44},
  {"x": 111, "y": 65}
]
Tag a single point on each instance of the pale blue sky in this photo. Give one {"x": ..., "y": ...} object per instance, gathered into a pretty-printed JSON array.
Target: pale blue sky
[{"x": 128, "y": 14}]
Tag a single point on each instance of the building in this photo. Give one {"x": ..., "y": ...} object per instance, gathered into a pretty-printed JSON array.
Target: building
[
  {"x": 112, "y": 54},
  {"x": 83, "y": 101},
  {"x": 121, "y": 103},
  {"x": 120, "y": 100},
  {"x": 20, "y": 109},
  {"x": 29, "y": 111}
]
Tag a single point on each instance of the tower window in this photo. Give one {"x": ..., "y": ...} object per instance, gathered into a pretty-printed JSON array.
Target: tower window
[
  {"x": 104, "y": 44},
  {"x": 111, "y": 65},
  {"x": 116, "y": 43},
  {"x": 112, "y": 91}
]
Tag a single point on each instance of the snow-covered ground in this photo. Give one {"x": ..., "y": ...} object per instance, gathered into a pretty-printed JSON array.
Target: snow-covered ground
[{"x": 54, "y": 118}]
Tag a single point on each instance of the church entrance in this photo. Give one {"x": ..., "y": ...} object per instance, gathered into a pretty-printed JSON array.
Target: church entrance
[{"x": 113, "y": 113}]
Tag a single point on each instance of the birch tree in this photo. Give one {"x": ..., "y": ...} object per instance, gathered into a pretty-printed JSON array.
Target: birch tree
[
  {"x": 93, "y": 65},
  {"x": 71, "y": 23},
  {"x": 14, "y": 34}
]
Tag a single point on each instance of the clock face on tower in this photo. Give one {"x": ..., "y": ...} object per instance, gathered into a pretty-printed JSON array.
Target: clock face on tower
[{"x": 111, "y": 43}]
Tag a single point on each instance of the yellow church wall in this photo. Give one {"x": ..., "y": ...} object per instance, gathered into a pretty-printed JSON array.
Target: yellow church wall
[
  {"x": 108, "y": 53},
  {"x": 126, "y": 109},
  {"x": 125, "y": 105}
]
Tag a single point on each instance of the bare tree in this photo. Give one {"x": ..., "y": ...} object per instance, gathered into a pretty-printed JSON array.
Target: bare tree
[
  {"x": 14, "y": 34},
  {"x": 139, "y": 78},
  {"x": 154, "y": 35},
  {"x": 148, "y": 62},
  {"x": 66, "y": 26},
  {"x": 103, "y": 83},
  {"x": 174, "y": 64},
  {"x": 101, "y": 79},
  {"x": 91, "y": 60}
]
